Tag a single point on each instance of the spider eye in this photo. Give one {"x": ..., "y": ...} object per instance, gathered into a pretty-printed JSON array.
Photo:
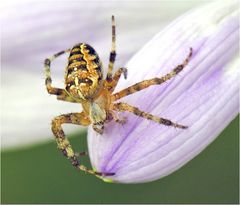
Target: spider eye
[{"x": 86, "y": 81}]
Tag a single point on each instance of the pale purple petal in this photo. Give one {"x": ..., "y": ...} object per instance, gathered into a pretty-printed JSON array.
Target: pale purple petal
[{"x": 204, "y": 96}]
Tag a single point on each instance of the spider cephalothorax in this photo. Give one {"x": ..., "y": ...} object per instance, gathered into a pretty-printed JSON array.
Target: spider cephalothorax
[{"x": 84, "y": 84}]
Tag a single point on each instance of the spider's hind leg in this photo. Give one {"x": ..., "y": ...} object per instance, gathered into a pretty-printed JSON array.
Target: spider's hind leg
[{"x": 125, "y": 107}]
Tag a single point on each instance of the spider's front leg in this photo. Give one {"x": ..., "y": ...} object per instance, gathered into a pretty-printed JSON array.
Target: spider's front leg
[
  {"x": 111, "y": 84},
  {"x": 64, "y": 144},
  {"x": 113, "y": 54},
  {"x": 125, "y": 107},
  {"x": 60, "y": 93},
  {"x": 154, "y": 81},
  {"x": 111, "y": 81}
]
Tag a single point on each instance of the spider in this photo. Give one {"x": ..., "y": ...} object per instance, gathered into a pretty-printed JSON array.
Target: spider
[{"x": 84, "y": 84}]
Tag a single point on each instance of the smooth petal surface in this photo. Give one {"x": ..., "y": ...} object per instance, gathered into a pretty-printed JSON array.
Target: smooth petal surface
[{"x": 203, "y": 96}]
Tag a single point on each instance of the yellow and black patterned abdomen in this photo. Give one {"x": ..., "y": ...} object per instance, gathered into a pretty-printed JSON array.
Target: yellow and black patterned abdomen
[{"x": 84, "y": 72}]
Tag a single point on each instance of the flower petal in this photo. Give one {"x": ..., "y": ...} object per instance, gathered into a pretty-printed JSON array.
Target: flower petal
[{"x": 204, "y": 96}]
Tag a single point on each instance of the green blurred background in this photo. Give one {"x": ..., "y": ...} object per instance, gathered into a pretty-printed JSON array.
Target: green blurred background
[{"x": 39, "y": 174}]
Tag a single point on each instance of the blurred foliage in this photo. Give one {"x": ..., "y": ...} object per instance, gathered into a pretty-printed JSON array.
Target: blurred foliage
[{"x": 40, "y": 174}]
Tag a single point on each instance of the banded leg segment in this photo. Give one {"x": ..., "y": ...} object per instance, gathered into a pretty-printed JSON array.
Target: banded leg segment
[
  {"x": 125, "y": 107},
  {"x": 61, "y": 93},
  {"x": 112, "y": 84},
  {"x": 62, "y": 141},
  {"x": 154, "y": 81},
  {"x": 112, "y": 56}
]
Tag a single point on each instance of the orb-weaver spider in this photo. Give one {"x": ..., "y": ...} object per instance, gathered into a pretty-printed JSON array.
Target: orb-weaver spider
[{"x": 84, "y": 84}]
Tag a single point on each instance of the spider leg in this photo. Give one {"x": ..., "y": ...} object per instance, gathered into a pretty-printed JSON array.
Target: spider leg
[
  {"x": 125, "y": 107},
  {"x": 112, "y": 56},
  {"x": 113, "y": 83},
  {"x": 64, "y": 144},
  {"x": 60, "y": 93},
  {"x": 154, "y": 81}
]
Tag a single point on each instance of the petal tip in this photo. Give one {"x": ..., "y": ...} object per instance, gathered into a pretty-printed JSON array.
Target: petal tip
[{"x": 108, "y": 180}]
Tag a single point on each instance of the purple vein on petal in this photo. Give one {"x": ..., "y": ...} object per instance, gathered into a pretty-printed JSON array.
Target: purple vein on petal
[
  {"x": 200, "y": 59},
  {"x": 193, "y": 149},
  {"x": 216, "y": 85},
  {"x": 182, "y": 143},
  {"x": 131, "y": 144},
  {"x": 165, "y": 143},
  {"x": 169, "y": 140},
  {"x": 211, "y": 63}
]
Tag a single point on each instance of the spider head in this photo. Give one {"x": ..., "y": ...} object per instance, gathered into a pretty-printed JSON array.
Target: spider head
[{"x": 97, "y": 114}]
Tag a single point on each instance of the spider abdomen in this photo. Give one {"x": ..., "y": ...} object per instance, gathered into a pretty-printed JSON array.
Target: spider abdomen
[{"x": 84, "y": 71}]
